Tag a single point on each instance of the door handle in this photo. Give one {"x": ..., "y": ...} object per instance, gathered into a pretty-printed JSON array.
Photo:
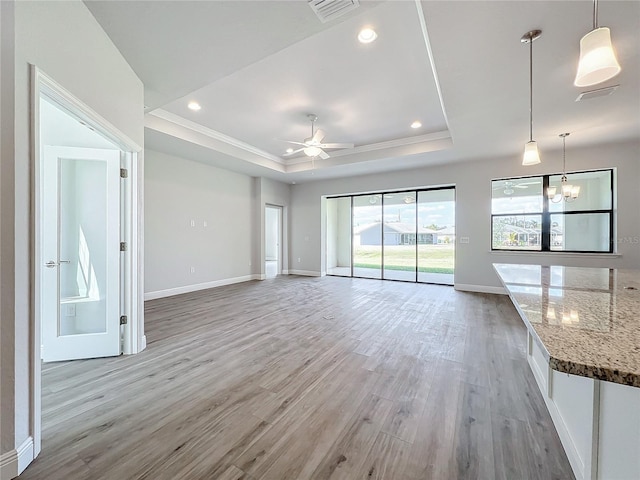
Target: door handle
[{"x": 51, "y": 264}]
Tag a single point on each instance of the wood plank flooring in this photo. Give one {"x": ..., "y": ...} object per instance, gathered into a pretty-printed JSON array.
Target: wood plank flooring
[{"x": 307, "y": 378}]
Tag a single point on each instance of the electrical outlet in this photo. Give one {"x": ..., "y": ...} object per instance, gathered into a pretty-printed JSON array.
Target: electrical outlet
[
  {"x": 298, "y": 259},
  {"x": 193, "y": 269},
  {"x": 70, "y": 310},
  {"x": 193, "y": 223},
  {"x": 205, "y": 224}
]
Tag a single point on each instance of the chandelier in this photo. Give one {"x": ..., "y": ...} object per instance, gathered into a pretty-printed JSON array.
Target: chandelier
[{"x": 568, "y": 192}]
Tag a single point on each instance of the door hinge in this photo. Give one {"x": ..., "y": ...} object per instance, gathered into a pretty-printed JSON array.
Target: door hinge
[
  {"x": 123, "y": 246},
  {"x": 124, "y": 173},
  {"x": 123, "y": 319}
]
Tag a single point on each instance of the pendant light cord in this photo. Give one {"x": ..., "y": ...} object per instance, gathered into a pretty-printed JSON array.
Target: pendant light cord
[
  {"x": 564, "y": 155},
  {"x": 531, "y": 89},
  {"x": 595, "y": 14}
]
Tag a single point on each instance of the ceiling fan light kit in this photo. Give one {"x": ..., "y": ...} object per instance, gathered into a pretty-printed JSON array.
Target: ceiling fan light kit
[
  {"x": 598, "y": 61},
  {"x": 531, "y": 155},
  {"x": 313, "y": 146}
]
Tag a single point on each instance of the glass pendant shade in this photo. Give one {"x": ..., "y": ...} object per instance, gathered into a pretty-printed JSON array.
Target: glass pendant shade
[
  {"x": 551, "y": 192},
  {"x": 312, "y": 151},
  {"x": 597, "y": 59},
  {"x": 575, "y": 191},
  {"x": 531, "y": 155}
]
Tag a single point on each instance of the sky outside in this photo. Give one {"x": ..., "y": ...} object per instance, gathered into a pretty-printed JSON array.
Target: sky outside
[{"x": 439, "y": 213}]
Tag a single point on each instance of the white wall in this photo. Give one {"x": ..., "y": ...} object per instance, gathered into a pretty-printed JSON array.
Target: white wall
[
  {"x": 7, "y": 240},
  {"x": 473, "y": 210},
  {"x": 65, "y": 41},
  {"x": 179, "y": 192}
]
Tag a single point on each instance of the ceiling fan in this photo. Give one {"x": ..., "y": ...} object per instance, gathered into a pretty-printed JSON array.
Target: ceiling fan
[
  {"x": 313, "y": 146},
  {"x": 509, "y": 186}
]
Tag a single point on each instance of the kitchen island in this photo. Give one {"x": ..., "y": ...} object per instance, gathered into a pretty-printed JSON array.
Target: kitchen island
[{"x": 584, "y": 350}]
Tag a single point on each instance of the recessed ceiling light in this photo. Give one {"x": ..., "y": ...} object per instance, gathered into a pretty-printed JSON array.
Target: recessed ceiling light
[
  {"x": 289, "y": 150},
  {"x": 416, "y": 124},
  {"x": 195, "y": 106},
  {"x": 367, "y": 35}
]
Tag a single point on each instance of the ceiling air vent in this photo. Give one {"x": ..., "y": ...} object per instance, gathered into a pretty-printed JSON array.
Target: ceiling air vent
[
  {"x": 328, "y": 10},
  {"x": 599, "y": 92}
]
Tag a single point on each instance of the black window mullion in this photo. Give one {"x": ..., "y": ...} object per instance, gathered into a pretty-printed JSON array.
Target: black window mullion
[
  {"x": 545, "y": 240},
  {"x": 545, "y": 244}
]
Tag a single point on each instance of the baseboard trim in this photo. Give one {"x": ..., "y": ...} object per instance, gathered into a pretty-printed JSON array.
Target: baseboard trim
[
  {"x": 305, "y": 273},
  {"x": 198, "y": 286},
  {"x": 143, "y": 343},
  {"x": 463, "y": 287},
  {"x": 14, "y": 462},
  {"x": 285, "y": 272}
]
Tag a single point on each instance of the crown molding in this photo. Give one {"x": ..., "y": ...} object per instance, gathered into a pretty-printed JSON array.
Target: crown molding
[
  {"x": 429, "y": 142},
  {"x": 189, "y": 131},
  {"x": 212, "y": 134}
]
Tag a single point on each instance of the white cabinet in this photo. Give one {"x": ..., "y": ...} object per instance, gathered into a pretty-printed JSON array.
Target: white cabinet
[{"x": 598, "y": 422}]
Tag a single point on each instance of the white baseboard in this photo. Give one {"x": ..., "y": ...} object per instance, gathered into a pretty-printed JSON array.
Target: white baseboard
[
  {"x": 306, "y": 273},
  {"x": 198, "y": 286},
  {"x": 285, "y": 272},
  {"x": 480, "y": 289},
  {"x": 15, "y": 461},
  {"x": 143, "y": 343}
]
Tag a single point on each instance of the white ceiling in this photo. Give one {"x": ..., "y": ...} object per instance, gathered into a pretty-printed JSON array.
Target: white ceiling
[{"x": 258, "y": 67}]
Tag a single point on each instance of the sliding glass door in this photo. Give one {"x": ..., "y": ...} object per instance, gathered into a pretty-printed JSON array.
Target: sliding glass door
[
  {"x": 399, "y": 239},
  {"x": 367, "y": 236},
  {"x": 437, "y": 235},
  {"x": 406, "y": 235},
  {"x": 339, "y": 236}
]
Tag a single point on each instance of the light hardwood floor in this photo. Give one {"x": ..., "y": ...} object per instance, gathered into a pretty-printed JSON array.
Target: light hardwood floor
[{"x": 307, "y": 378}]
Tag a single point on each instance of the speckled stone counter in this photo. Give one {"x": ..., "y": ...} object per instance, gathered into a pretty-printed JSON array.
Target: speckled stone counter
[
  {"x": 583, "y": 347},
  {"x": 586, "y": 320}
]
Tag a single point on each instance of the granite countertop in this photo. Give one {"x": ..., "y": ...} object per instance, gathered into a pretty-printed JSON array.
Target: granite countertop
[{"x": 586, "y": 320}]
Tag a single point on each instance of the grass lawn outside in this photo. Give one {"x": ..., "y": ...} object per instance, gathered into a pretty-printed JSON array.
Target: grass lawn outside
[{"x": 431, "y": 258}]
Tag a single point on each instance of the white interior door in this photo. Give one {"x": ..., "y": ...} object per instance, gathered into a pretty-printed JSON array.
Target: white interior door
[{"x": 80, "y": 279}]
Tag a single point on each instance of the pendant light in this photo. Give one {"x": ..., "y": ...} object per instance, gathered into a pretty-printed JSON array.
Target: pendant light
[
  {"x": 598, "y": 61},
  {"x": 531, "y": 155},
  {"x": 568, "y": 192}
]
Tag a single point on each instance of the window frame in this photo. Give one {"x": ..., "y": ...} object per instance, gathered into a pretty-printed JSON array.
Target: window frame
[{"x": 545, "y": 229}]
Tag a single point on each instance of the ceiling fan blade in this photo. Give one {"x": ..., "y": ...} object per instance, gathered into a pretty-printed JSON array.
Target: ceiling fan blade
[
  {"x": 318, "y": 136},
  {"x": 294, "y": 152},
  {"x": 323, "y": 155},
  {"x": 520, "y": 186},
  {"x": 336, "y": 145},
  {"x": 295, "y": 143}
]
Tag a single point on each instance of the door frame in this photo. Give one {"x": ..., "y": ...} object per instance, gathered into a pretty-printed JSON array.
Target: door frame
[
  {"x": 280, "y": 209},
  {"x": 131, "y": 156}
]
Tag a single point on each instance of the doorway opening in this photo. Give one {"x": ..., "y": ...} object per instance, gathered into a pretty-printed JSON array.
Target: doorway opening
[
  {"x": 404, "y": 235},
  {"x": 85, "y": 224},
  {"x": 273, "y": 241}
]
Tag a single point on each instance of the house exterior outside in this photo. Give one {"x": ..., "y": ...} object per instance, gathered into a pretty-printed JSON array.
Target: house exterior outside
[{"x": 399, "y": 233}]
